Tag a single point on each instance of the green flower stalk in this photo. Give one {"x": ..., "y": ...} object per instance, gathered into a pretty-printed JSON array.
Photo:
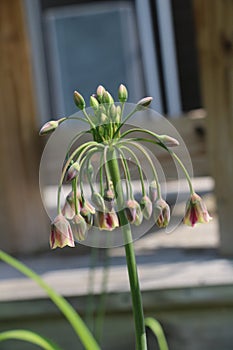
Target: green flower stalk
[{"x": 112, "y": 203}]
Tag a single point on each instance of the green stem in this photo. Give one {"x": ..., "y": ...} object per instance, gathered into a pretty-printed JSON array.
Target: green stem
[
  {"x": 89, "y": 120},
  {"x": 101, "y": 176},
  {"x": 82, "y": 149},
  {"x": 30, "y": 337},
  {"x": 141, "y": 130},
  {"x": 122, "y": 109},
  {"x": 74, "y": 187},
  {"x": 101, "y": 307},
  {"x": 173, "y": 154},
  {"x": 143, "y": 151},
  {"x": 161, "y": 144},
  {"x": 139, "y": 169},
  {"x": 74, "y": 118},
  {"x": 124, "y": 121},
  {"x": 157, "y": 329},
  {"x": 90, "y": 306},
  {"x": 68, "y": 311},
  {"x": 129, "y": 189},
  {"x": 75, "y": 139},
  {"x": 130, "y": 255}
]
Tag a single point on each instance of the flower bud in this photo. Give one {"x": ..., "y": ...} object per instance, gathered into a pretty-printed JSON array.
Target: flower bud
[
  {"x": 146, "y": 207},
  {"x": 133, "y": 212},
  {"x": 69, "y": 207},
  {"x": 79, "y": 227},
  {"x": 143, "y": 103},
  {"x": 49, "y": 127},
  {"x": 103, "y": 118},
  {"x": 102, "y": 109},
  {"x": 161, "y": 213},
  {"x": 169, "y": 141},
  {"x": 117, "y": 118},
  {"x": 94, "y": 103},
  {"x": 107, "y": 98},
  {"x": 61, "y": 233},
  {"x": 153, "y": 191},
  {"x": 113, "y": 112},
  {"x": 118, "y": 108},
  {"x": 107, "y": 221},
  {"x": 98, "y": 201},
  {"x": 100, "y": 92},
  {"x": 196, "y": 211},
  {"x": 122, "y": 93},
  {"x": 79, "y": 100},
  {"x": 72, "y": 171},
  {"x": 68, "y": 210},
  {"x": 109, "y": 195},
  {"x": 87, "y": 211},
  {"x": 109, "y": 198}
]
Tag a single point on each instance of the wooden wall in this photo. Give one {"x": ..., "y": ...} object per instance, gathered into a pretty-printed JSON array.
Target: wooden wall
[
  {"x": 23, "y": 224},
  {"x": 214, "y": 27}
]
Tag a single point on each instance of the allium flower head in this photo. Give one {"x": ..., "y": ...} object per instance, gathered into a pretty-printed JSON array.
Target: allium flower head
[
  {"x": 196, "y": 211},
  {"x": 98, "y": 161},
  {"x": 61, "y": 233}
]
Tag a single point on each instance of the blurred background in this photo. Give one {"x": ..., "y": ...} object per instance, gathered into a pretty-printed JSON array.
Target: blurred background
[{"x": 181, "y": 53}]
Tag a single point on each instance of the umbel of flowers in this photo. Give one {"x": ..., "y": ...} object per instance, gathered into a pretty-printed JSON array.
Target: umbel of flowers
[
  {"x": 79, "y": 213},
  {"x": 111, "y": 205}
]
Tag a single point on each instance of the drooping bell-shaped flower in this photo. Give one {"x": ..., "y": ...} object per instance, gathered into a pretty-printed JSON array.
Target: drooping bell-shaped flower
[
  {"x": 79, "y": 227},
  {"x": 107, "y": 221},
  {"x": 153, "y": 192},
  {"x": 161, "y": 213},
  {"x": 98, "y": 201},
  {"x": 146, "y": 207},
  {"x": 196, "y": 211},
  {"x": 72, "y": 171},
  {"x": 133, "y": 212},
  {"x": 61, "y": 233},
  {"x": 109, "y": 198},
  {"x": 69, "y": 207},
  {"x": 87, "y": 211}
]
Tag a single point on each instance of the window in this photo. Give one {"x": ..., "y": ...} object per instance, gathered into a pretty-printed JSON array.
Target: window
[{"x": 149, "y": 45}]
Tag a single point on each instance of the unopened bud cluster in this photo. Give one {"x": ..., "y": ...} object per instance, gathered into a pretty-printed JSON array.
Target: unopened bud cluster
[{"x": 79, "y": 213}]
